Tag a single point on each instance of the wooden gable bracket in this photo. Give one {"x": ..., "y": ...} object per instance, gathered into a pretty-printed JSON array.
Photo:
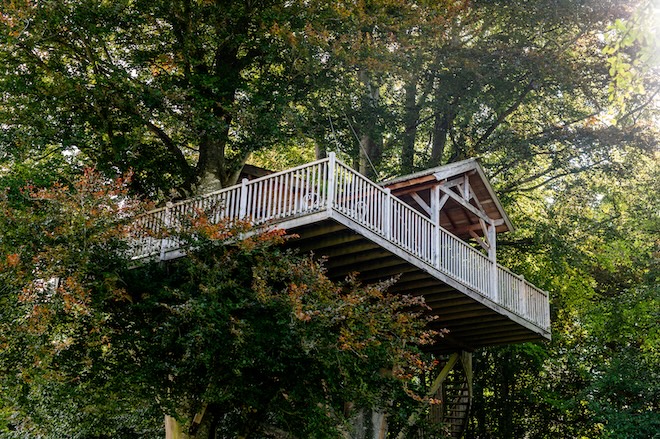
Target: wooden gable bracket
[
  {"x": 422, "y": 203},
  {"x": 464, "y": 200}
]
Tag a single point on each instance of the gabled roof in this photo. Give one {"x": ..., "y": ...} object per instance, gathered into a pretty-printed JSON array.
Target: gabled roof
[{"x": 454, "y": 216}]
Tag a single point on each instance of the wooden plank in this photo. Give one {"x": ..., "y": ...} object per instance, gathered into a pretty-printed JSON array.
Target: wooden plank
[
  {"x": 466, "y": 204},
  {"x": 421, "y": 203},
  {"x": 440, "y": 295},
  {"x": 423, "y": 282},
  {"x": 355, "y": 247},
  {"x": 490, "y": 331},
  {"x": 354, "y": 259},
  {"x": 517, "y": 338},
  {"x": 454, "y": 169},
  {"x": 328, "y": 241},
  {"x": 460, "y": 308},
  {"x": 406, "y": 189},
  {"x": 371, "y": 270},
  {"x": 447, "y": 318},
  {"x": 492, "y": 319},
  {"x": 319, "y": 229}
]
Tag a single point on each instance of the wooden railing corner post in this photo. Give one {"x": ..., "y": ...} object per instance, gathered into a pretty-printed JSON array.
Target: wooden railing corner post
[
  {"x": 492, "y": 255},
  {"x": 331, "y": 180},
  {"x": 435, "y": 219},
  {"x": 525, "y": 297},
  {"x": 168, "y": 221},
  {"x": 242, "y": 208},
  {"x": 387, "y": 214},
  {"x": 546, "y": 311}
]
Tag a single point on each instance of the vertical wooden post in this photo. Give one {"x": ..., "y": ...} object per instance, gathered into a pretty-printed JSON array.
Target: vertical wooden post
[
  {"x": 331, "y": 180},
  {"x": 165, "y": 241},
  {"x": 387, "y": 214},
  {"x": 242, "y": 209},
  {"x": 435, "y": 218},
  {"x": 524, "y": 297},
  {"x": 466, "y": 188},
  {"x": 492, "y": 255}
]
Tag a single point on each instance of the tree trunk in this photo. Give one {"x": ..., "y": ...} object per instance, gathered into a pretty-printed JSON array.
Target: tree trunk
[
  {"x": 441, "y": 125},
  {"x": 371, "y": 141},
  {"x": 410, "y": 119},
  {"x": 368, "y": 424},
  {"x": 173, "y": 429}
]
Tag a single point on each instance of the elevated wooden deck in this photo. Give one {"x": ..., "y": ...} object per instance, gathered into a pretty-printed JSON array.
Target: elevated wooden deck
[{"x": 362, "y": 227}]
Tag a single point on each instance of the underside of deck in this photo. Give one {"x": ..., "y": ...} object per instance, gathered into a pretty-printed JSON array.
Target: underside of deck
[{"x": 472, "y": 322}]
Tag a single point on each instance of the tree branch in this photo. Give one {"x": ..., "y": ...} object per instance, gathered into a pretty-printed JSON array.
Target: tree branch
[{"x": 504, "y": 115}]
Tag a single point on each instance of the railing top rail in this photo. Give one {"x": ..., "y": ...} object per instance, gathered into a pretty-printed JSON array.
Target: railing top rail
[
  {"x": 220, "y": 191},
  {"x": 521, "y": 277},
  {"x": 287, "y": 171},
  {"x": 416, "y": 212}
]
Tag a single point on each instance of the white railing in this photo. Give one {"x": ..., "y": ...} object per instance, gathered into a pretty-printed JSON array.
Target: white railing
[{"x": 329, "y": 185}]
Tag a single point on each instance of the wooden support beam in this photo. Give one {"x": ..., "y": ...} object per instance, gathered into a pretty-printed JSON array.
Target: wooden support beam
[
  {"x": 328, "y": 241},
  {"x": 318, "y": 229},
  {"x": 465, "y": 204},
  {"x": 353, "y": 259},
  {"x": 462, "y": 314},
  {"x": 466, "y": 229},
  {"x": 369, "y": 266},
  {"x": 442, "y": 201},
  {"x": 501, "y": 339},
  {"x": 440, "y": 294},
  {"x": 415, "y": 284},
  {"x": 406, "y": 190},
  {"x": 451, "y": 170},
  {"x": 348, "y": 249},
  {"x": 442, "y": 376},
  {"x": 422, "y": 203},
  {"x": 479, "y": 240},
  {"x": 476, "y": 200},
  {"x": 491, "y": 330},
  {"x": 459, "y": 324},
  {"x": 387, "y": 272}
]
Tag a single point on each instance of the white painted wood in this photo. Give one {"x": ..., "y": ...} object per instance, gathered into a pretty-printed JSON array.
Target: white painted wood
[
  {"x": 311, "y": 193},
  {"x": 492, "y": 255},
  {"x": 465, "y": 204},
  {"x": 422, "y": 203}
]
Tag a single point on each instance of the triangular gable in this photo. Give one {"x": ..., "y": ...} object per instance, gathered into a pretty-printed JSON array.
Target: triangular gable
[{"x": 465, "y": 197}]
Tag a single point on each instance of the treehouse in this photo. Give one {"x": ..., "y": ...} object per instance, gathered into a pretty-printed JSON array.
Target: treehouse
[{"x": 436, "y": 230}]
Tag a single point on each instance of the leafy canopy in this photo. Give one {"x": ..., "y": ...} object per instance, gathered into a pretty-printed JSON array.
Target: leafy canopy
[{"x": 255, "y": 336}]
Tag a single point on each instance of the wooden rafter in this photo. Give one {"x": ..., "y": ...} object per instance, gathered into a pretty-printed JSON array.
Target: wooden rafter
[
  {"x": 421, "y": 203},
  {"x": 465, "y": 203}
]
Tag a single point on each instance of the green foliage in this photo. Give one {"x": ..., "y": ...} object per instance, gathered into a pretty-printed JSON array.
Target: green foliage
[
  {"x": 61, "y": 371},
  {"x": 592, "y": 241},
  {"x": 254, "y": 335},
  {"x": 559, "y": 99},
  {"x": 264, "y": 341}
]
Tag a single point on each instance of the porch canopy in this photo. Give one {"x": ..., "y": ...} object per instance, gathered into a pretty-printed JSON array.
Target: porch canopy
[{"x": 458, "y": 195}]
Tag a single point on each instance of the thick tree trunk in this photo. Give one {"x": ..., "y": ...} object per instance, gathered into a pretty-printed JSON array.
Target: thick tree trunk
[
  {"x": 370, "y": 155},
  {"x": 173, "y": 429},
  {"x": 442, "y": 122},
  {"x": 371, "y": 142},
  {"x": 368, "y": 424},
  {"x": 410, "y": 119}
]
